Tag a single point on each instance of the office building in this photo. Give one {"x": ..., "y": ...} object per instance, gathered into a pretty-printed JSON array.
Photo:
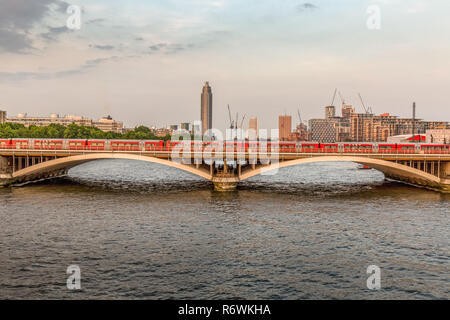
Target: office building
[
  {"x": 206, "y": 108},
  {"x": 284, "y": 127},
  {"x": 27, "y": 121},
  {"x": 108, "y": 124},
  {"x": 105, "y": 124},
  {"x": 330, "y": 112},
  {"x": 253, "y": 128},
  {"x": 438, "y": 136}
]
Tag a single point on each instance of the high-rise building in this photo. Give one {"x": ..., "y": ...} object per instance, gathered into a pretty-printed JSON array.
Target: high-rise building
[
  {"x": 206, "y": 108},
  {"x": 330, "y": 112},
  {"x": 323, "y": 130},
  {"x": 347, "y": 111},
  {"x": 332, "y": 128},
  {"x": 253, "y": 128},
  {"x": 2, "y": 116},
  {"x": 284, "y": 127}
]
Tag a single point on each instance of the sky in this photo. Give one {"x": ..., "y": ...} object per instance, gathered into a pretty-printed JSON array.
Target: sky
[{"x": 145, "y": 62}]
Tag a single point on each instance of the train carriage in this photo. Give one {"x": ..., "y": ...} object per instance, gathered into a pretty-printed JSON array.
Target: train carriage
[
  {"x": 125, "y": 145},
  {"x": 21, "y": 144},
  {"x": 387, "y": 148},
  {"x": 287, "y": 147},
  {"x": 252, "y": 147},
  {"x": 48, "y": 144},
  {"x": 434, "y": 148},
  {"x": 234, "y": 146},
  {"x": 170, "y": 145},
  {"x": 310, "y": 147},
  {"x": 5, "y": 143},
  {"x": 358, "y": 148},
  {"x": 406, "y": 148},
  {"x": 329, "y": 147},
  {"x": 77, "y": 144},
  {"x": 207, "y": 146},
  {"x": 96, "y": 145},
  {"x": 154, "y": 145}
]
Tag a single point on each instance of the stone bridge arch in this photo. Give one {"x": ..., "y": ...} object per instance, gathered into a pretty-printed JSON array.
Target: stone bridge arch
[
  {"x": 390, "y": 169},
  {"x": 62, "y": 165},
  {"x": 227, "y": 180}
]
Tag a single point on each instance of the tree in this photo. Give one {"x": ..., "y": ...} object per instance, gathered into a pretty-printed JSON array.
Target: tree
[{"x": 73, "y": 131}]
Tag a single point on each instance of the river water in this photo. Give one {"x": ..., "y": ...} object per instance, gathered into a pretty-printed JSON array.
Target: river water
[{"x": 142, "y": 231}]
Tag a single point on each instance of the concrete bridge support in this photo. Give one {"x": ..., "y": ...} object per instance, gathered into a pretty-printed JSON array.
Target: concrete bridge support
[
  {"x": 225, "y": 184},
  {"x": 445, "y": 170}
]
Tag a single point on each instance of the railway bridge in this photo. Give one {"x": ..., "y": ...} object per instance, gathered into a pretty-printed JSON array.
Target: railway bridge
[{"x": 225, "y": 169}]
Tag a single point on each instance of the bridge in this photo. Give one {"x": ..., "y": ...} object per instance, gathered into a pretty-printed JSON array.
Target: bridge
[{"x": 225, "y": 169}]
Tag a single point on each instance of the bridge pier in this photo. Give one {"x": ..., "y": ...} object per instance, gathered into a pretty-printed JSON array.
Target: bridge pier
[
  {"x": 5, "y": 171},
  {"x": 225, "y": 184},
  {"x": 445, "y": 170}
]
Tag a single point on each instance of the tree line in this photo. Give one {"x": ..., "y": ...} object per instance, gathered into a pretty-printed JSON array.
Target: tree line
[{"x": 73, "y": 131}]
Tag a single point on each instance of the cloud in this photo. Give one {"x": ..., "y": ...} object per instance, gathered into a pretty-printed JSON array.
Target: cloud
[
  {"x": 306, "y": 7},
  {"x": 101, "y": 47},
  {"x": 11, "y": 41},
  {"x": 22, "y": 76},
  {"x": 18, "y": 17},
  {"x": 158, "y": 47},
  {"x": 98, "y": 22},
  {"x": 170, "y": 48},
  {"x": 101, "y": 60},
  {"x": 53, "y": 32}
]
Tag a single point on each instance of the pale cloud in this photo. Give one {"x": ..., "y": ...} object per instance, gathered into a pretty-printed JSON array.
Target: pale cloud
[
  {"x": 24, "y": 76},
  {"x": 417, "y": 7},
  {"x": 260, "y": 55},
  {"x": 306, "y": 7}
]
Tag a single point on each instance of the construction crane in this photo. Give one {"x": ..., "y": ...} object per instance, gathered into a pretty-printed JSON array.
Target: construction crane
[
  {"x": 299, "y": 116},
  {"x": 334, "y": 97},
  {"x": 231, "y": 120},
  {"x": 342, "y": 99},
  {"x": 368, "y": 110},
  {"x": 242, "y": 122}
]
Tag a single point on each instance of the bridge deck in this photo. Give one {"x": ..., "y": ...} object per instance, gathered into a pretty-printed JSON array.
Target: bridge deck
[{"x": 220, "y": 155}]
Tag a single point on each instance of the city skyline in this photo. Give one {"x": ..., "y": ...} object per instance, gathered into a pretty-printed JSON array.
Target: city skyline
[{"x": 131, "y": 67}]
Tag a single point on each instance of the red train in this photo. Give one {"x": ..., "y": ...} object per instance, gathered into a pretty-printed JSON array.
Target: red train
[{"x": 211, "y": 146}]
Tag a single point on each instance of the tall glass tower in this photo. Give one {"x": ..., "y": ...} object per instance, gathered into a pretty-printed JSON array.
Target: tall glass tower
[{"x": 206, "y": 108}]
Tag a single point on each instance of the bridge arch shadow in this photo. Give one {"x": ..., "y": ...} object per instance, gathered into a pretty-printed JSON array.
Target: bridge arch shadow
[
  {"x": 73, "y": 161},
  {"x": 390, "y": 169}
]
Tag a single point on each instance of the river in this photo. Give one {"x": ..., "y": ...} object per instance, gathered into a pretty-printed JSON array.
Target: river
[{"x": 142, "y": 231}]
